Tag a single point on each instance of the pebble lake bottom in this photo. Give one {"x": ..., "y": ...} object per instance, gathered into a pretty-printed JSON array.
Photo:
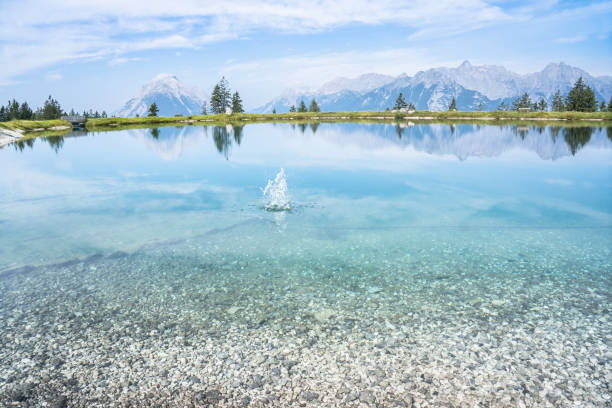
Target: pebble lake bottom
[{"x": 432, "y": 267}]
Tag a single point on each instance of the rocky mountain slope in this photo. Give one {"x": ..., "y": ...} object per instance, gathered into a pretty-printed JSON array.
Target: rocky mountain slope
[{"x": 171, "y": 96}]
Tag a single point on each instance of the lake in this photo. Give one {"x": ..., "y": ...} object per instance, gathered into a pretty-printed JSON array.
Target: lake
[{"x": 409, "y": 265}]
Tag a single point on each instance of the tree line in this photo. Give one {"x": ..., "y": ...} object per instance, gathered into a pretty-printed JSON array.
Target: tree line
[
  {"x": 314, "y": 107},
  {"x": 50, "y": 110},
  {"x": 581, "y": 98},
  {"x": 14, "y": 110}
]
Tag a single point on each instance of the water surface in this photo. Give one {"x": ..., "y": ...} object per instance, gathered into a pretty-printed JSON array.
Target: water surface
[{"x": 419, "y": 264}]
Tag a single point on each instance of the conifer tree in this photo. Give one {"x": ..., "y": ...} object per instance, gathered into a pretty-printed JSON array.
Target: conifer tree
[
  {"x": 292, "y": 108},
  {"x": 13, "y": 109},
  {"x": 153, "y": 110},
  {"x": 25, "y": 112},
  {"x": 51, "y": 109},
  {"x": 502, "y": 106},
  {"x": 220, "y": 97},
  {"x": 581, "y": 98},
  {"x": 3, "y": 115},
  {"x": 204, "y": 111},
  {"x": 400, "y": 103},
  {"x": 602, "y": 106},
  {"x": 314, "y": 107},
  {"x": 453, "y": 105},
  {"x": 216, "y": 102},
  {"x": 610, "y": 105},
  {"x": 225, "y": 92},
  {"x": 237, "y": 103},
  {"x": 542, "y": 105},
  {"x": 523, "y": 101},
  {"x": 557, "y": 102},
  {"x": 302, "y": 107}
]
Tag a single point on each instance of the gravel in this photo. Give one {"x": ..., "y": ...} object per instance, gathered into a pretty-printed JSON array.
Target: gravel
[{"x": 497, "y": 326}]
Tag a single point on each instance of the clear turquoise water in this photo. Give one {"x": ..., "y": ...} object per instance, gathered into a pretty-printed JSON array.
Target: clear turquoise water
[
  {"x": 109, "y": 191},
  {"x": 439, "y": 229}
]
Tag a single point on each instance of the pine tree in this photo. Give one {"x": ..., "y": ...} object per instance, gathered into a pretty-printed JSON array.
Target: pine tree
[
  {"x": 581, "y": 98},
  {"x": 602, "y": 106},
  {"x": 302, "y": 107},
  {"x": 226, "y": 93},
  {"x": 104, "y": 114},
  {"x": 204, "y": 111},
  {"x": 3, "y": 115},
  {"x": 274, "y": 111},
  {"x": 502, "y": 106},
  {"x": 523, "y": 101},
  {"x": 400, "y": 103},
  {"x": 13, "y": 109},
  {"x": 292, "y": 108},
  {"x": 216, "y": 103},
  {"x": 453, "y": 105},
  {"x": 220, "y": 97},
  {"x": 314, "y": 107},
  {"x": 610, "y": 105},
  {"x": 557, "y": 102},
  {"x": 51, "y": 109},
  {"x": 25, "y": 112},
  {"x": 542, "y": 105},
  {"x": 153, "y": 110},
  {"x": 237, "y": 103}
]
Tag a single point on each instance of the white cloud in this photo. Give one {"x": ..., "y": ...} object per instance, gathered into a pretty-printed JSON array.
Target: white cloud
[
  {"x": 571, "y": 40},
  {"x": 122, "y": 60},
  {"x": 53, "y": 76},
  {"x": 39, "y": 33}
]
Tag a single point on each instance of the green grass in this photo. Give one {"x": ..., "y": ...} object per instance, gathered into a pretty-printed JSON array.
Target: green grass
[
  {"x": 33, "y": 125},
  {"x": 335, "y": 116},
  {"x": 507, "y": 117}
]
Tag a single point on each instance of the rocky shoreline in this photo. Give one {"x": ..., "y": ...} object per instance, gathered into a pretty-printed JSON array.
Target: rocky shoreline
[{"x": 9, "y": 136}]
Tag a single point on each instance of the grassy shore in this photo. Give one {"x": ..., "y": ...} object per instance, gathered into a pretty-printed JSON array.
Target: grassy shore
[
  {"x": 35, "y": 125},
  {"x": 438, "y": 116},
  {"x": 106, "y": 123}
]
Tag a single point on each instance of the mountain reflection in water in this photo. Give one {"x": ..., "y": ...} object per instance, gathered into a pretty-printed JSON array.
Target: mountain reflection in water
[{"x": 460, "y": 140}]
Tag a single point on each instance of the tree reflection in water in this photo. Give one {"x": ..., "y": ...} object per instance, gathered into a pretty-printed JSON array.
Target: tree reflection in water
[{"x": 577, "y": 137}]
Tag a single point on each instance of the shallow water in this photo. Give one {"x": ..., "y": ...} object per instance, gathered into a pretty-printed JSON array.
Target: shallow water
[{"x": 419, "y": 265}]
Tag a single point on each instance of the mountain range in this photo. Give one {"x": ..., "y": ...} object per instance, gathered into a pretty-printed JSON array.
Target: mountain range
[
  {"x": 471, "y": 85},
  {"x": 171, "y": 96}
]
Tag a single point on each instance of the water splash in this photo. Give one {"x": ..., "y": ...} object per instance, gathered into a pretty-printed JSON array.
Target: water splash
[{"x": 275, "y": 193}]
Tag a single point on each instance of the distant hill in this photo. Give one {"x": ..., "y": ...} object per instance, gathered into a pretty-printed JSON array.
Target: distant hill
[
  {"x": 171, "y": 96},
  {"x": 434, "y": 89}
]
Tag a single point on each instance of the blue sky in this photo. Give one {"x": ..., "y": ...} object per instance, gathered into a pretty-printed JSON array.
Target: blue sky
[{"x": 98, "y": 54}]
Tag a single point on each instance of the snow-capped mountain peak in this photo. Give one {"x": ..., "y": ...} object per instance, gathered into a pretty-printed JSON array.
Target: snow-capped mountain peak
[
  {"x": 169, "y": 93},
  {"x": 363, "y": 83},
  {"x": 473, "y": 87}
]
